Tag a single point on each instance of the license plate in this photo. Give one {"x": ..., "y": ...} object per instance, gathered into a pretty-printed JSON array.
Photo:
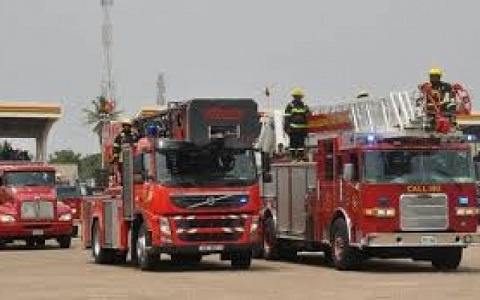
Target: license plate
[
  {"x": 428, "y": 239},
  {"x": 207, "y": 248},
  {"x": 37, "y": 232}
]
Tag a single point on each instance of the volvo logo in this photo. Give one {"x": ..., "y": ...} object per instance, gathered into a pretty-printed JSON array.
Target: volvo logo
[{"x": 210, "y": 201}]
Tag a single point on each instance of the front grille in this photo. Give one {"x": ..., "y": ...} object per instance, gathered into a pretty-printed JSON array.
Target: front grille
[
  {"x": 210, "y": 237},
  {"x": 37, "y": 210},
  {"x": 209, "y": 201},
  {"x": 210, "y": 223},
  {"x": 223, "y": 228},
  {"x": 423, "y": 212}
]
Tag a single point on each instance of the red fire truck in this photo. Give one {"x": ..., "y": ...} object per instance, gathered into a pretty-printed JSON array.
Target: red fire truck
[
  {"x": 379, "y": 184},
  {"x": 190, "y": 188},
  {"x": 29, "y": 209}
]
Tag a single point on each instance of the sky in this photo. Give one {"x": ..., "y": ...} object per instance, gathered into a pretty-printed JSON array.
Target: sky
[{"x": 51, "y": 50}]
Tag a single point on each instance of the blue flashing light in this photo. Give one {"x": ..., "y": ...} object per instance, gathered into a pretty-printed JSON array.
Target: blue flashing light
[
  {"x": 471, "y": 138},
  {"x": 462, "y": 200},
  {"x": 371, "y": 138},
  {"x": 243, "y": 200}
]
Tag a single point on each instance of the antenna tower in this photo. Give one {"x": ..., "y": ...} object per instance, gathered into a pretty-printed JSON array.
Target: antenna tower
[{"x": 108, "y": 86}]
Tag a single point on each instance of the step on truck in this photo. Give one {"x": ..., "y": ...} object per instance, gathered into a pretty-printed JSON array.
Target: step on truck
[
  {"x": 381, "y": 182},
  {"x": 189, "y": 189},
  {"x": 29, "y": 208}
]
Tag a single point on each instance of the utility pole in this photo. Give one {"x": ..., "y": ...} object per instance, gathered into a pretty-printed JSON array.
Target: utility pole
[{"x": 161, "y": 89}]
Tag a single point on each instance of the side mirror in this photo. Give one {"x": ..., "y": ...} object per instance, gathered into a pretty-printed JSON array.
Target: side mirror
[
  {"x": 348, "y": 172},
  {"x": 267, "y": 178}
]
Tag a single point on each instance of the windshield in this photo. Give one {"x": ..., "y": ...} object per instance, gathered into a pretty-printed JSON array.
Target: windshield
[
  {"x": 431, "y": 166},
  {"x": 29, "y": 178},
  {"x": 67, "y": 191},
  {"x": 203, "y": 167}
]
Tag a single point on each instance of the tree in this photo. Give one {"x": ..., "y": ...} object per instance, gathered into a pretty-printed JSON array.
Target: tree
[
  {"x": 65, "y": 157},
  {"x": 89, "y": 165},
  {"x": 8, "y": 153},
  {"x": 103, "y": 111}
]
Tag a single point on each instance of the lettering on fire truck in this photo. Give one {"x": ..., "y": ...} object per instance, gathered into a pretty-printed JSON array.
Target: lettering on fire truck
[
  {"x": 424, "y": 188},
  {"x": 219, "y": 113}
]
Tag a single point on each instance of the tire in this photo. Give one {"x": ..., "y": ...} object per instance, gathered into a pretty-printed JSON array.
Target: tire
[
  {"x": 40, "y": 242},
  {"x": 241, "y": 261},
  {"x": 447, "y": 259},
  {"x": 344, "y": 257},
  {"x": 188, "y": 259},
  {"x": 75, "y": 231},
  {"x": 145, "y": 261},
  {"x": 100, "y": 255},
  {"x": 65, "y": 241},
  {"x": 30, "y": 243},
  {"x": 270, "y": 249}
]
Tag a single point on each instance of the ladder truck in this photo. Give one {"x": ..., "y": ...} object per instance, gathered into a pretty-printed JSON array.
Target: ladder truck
[
  {"x": 381, "y": 182},
  {"x": 189, "y": 188}
]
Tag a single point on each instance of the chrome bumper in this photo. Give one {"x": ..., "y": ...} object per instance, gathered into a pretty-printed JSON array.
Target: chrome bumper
[{"x": 424, "y": 239}]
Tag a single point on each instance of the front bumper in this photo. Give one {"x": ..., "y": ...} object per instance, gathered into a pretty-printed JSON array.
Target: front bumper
[
  {"x": 196, "y": 249},
  {"x": 420, "y": 239},
  {"x": 45, "y": 230}
]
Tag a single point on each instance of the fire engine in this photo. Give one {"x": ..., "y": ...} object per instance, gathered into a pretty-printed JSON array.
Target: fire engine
[
  {"x": 29, "y": 208},
  {"x": 189, "y": 188},
  {"x": 381, "y": 182}
]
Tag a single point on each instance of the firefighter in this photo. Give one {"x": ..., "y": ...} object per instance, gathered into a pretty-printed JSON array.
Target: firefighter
[
  {"x": 296, "y": 114},
  {"x": 127, "y": 136},
  {"x": 443, "y": 90}
]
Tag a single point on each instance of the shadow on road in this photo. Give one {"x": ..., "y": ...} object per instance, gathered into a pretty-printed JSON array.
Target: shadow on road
[
  {"x": 22, "y": 248},
  {"x": 166, "y": 265},
  {"x": 383, "y": 265}
]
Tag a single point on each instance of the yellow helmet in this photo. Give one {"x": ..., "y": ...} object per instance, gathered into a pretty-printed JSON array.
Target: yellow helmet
[
  {"x": 126, "y": 121},
  {"x": 297, "y": 92},
  {"x": 436, "y": 71}
]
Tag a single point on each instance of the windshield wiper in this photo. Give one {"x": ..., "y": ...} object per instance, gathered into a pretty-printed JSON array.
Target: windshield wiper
[{"x": 210, "y": 201}]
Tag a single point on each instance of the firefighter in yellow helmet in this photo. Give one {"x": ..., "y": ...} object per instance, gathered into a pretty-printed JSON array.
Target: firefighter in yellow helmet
[
  {"x": 295, "y": 125},
  {"x": 447, "y": 103},
  {"x": 126, "y": 136}
]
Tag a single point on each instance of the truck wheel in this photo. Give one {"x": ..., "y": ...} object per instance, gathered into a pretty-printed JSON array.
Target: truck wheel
[
  {"x": 146, "y": 261},
  {"x": 3, "y": 244},
  {"x": 40, "y": 242},
  {"x": 64, "y": 241},
  {"x": 30, "y": 243},
  {"x": 446, "y": 259},
  {"x": 344, "y": 257},
  {"x": 75, "y": 231},
  {"x": 270, "y": 250},
  {"x": 100, "y": 255},
  {"x": 241, "y": 261}
]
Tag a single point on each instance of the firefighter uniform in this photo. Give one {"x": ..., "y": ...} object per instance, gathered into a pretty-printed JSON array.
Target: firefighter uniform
[
  {"x": 126, "y": 136},
  {"x": 446, "y": 101},
  {"x": 296, "y": 114}
]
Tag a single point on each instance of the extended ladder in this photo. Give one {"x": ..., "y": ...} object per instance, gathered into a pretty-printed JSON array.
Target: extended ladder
[{"x": 399, "y": 111}]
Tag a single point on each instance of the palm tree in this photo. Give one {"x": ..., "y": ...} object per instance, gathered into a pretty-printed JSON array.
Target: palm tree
[{"x": 103, "y": 111}]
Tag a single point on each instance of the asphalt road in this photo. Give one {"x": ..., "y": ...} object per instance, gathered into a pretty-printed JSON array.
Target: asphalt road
[{"x": 52, "y": 273}]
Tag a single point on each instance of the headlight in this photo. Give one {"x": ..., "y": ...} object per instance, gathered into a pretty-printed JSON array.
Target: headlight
[
  {"x": 254, "y": 226},
  {"x": 6, "y": 219},
  {"x": 65, "y": 217},
  {"x": 164, "y": 226}
]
